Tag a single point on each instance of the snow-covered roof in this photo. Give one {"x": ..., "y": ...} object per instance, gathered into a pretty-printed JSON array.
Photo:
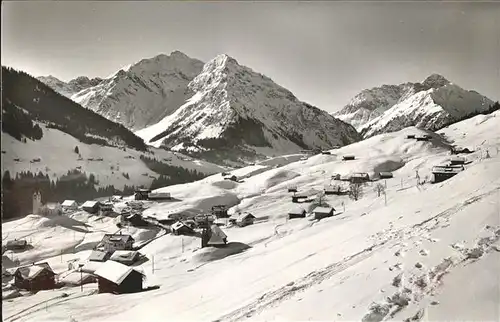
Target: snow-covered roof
[
  {"x": 89, "y": 203},
  {"x": 75, "y": 277},
  {"x": 17, "y": 242},
  {"x": 68, "y": 203},
  {"x": 297, "y": 211},
  {"x": 31, "y": 271},
  {"x": 447, "y": 169},
  {"x": 323, "y": 210},
  {"x": 359, "y": 175},
  {"x": 242, "y": 216},
  {"x": 178, "y": 225},
  {"x": 124, "y": 255},
  {"x": 91, "y": 266},
  {"x": 114, "y": 272},
  {"x": 96, "y": 255},
  {"x": 217, "y": 237},
  {"x": 116, "y": 237}
]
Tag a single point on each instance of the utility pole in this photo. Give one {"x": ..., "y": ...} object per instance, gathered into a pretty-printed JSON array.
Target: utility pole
[
  {"x": 401, "y": 183},
  {"x": 182, "y": 244},
  {"x": 385, "y": 182},
  {"x": 385, "y": 198},
  {"x": 343, "y": 205},
  {"x": 153, "y": 264}
]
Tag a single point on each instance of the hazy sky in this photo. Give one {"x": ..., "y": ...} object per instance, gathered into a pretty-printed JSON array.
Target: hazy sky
[{"x": 324, "y": 52}]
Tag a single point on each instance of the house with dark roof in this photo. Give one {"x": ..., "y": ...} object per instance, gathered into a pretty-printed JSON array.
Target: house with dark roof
[
  {"x": 348, "y": 157},
  {"x": 180, "y": 228},
  {"x": 35, "y": 277},
  {"x": 385, "y": 175},
  {"x": 116, "y": 278},
  {"x": 220, "y": 211},
  {"x": 142, "y": 194},
  {"x": 442, "y": 173},
  {"x": 112, "y": 242},
  {"x": 360, "y": 177},
  {"x": 91, "y": 206}
]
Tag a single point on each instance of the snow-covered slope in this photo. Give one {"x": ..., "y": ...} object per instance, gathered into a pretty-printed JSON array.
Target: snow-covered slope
[
  {"x": 70, "y": 88},
  {"x": 235, "y": 108},
  {"x": 407, "y": 256},
  {"x": 108, "y": 164},
  {"x": 143, "y": 93},
  {"x": 428, "y": 104}
]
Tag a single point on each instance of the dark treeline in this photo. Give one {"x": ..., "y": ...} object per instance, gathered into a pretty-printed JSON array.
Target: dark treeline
[
  {"x": 18, "y": 192},
  {"x": 40, "y": 103},
  {"x": 169, "y": 174},
  {"x": 494, "y": 107}
]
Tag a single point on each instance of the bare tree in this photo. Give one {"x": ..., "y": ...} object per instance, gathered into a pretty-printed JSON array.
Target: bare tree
[
  {"x": 355, "y": 190},
  {"x": 379, "y": 189}
]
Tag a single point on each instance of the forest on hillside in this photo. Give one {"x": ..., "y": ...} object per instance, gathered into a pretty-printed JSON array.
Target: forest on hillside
[{"x": 26, "y": 100}]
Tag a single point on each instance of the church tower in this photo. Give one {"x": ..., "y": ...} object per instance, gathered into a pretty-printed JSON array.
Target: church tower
[{"x": 37, "y": 202}]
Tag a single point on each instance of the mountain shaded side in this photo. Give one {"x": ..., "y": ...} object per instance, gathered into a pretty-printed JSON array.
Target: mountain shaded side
[
  {"x": 26, "y": 101},
  {"x": 143, "y": 93},
  {"x": 237, "y": 113}
]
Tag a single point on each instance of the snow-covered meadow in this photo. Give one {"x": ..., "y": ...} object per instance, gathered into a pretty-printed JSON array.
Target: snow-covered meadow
[{"x": 408, "y": 255}]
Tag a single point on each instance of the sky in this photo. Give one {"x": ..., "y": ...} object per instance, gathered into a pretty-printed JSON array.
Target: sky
[{"x": 324, "y": 52}]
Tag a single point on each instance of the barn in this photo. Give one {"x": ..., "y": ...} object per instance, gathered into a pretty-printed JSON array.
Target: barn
[
  {"x": 17, "y": 244},
  {"x": 292, "y": 188},
  {"x": 385, "y": 175},
  {"x": 116, "y": 278},
  {"x": 323, "y": 212},
  {"x": 159, "y": 196},
  {"x": 179, "y": 228},
  {"x": 142, "y": 194},
  {"x": 220, "y": 211},
  {"x": 242, "y": 219},
  {"x": 348, "y": 157},
  {"x": 297, "y": 213},
  {"x": 69, "y": 205},
  {"x": 332, "y": 190},
  {"x": 98, "y": 256},
  {"x": 442, "y": 173},
  {"x": 76, "y": 278},
  {"x": 126, "y": 257},
  {"x": 360, "y": 177},
  {"x": 457, "y": 161},
  {"x": 35, "y": 277},
  {"x": 91, "y": 206},
  {"x": 213, "y": 237},
  {"x": 112, "y": 242}
]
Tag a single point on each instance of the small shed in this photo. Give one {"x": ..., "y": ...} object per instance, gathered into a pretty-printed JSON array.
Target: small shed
[
  {"x": 332, "y": 190},
  {"x": 410, "y": 136},
  {"x": 323, "y": 212},
  {"x": 385, "y": 175},
  {"x": 220, "y": 211},
  {"x": 179, "y": 228},
  {"x": 360, "y": 177},
  {"x": 326, "y": 152},
  {"x": 423, "y": 137},
  {"x": 298, "y": 197},
  {"x": 232, "y": 178},
  {"x": 116, "y": 278},
  {"x": 76, "y": 278},
  {"x": 17, "y": 244},
  {"x": 442, "y": 173},
  {"x": 297, "y": 213},
  {"x": 99, "y": 256},
  {"x": 348, "y": 157},
  {"x": 136, "y": 219},
  {"x": 69, "y": 205},
  {"x": 112, "y": 242},
  {"x": 91, "y": 206},
  {"x": 204, "y": 221},
  {"x": 51, "y": 209},
  {"x": 159, "y": 196},
  {"x": 242, "y": 219},
  {"x": 126, "y": 257},
  {"x": 106, "y": 207},
  {"x": 142, "y": 194},
  {"x": 292, "y": 188},
  {"x": 35, "y": 277}
]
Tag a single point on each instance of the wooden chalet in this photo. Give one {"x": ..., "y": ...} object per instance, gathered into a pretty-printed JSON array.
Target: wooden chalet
[
  {"x": 232, "y": 178},
  {"x": 35, "y": 277},
  {"x": 113, "y": 242},
  {"x": 410, "y": 136},
  {"x": 360, "y": 177},
  {"x": 220, "y": 211},
  {"x": 424, "y": 137},
  {"x": 326, "y": 152},
  {"x": 204, "y": 221},
  {"x": 91, "y": 206},
  {"x": 457, "y": 150},
  {"x": 385, "y": 175},
  {"x": 116, "y": 278},
  {"x": 180, "y": 228},
  {"x": 348, "y": 157},
  {"x": 16, "y": 244},
  {"x": 442, "y": 173},
  {"x": 126, "y": 257},
  {"x": 297, "y": 213},
  {"x": 296, "y": 198},
  {"x": 69, "y": 205},
  {"x": 213, "y": 237},
  {"x": 142, "y": 194},
  {"x": 292, "y": 188},
  {"x": 242, "y": 219},
  {"x": 333, "y": 190},
  {"x": 99, "y": 256},
  {"x": 323, "y": 212}
]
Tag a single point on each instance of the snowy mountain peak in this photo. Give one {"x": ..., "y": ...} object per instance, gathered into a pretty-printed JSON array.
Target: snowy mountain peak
[{"x": 435, "y": 81}]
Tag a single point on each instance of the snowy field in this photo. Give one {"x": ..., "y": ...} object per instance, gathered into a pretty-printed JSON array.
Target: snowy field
[
  {"x": 410, "y": 255},
  {"x": 56, "y": 153}
]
